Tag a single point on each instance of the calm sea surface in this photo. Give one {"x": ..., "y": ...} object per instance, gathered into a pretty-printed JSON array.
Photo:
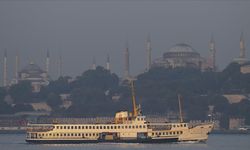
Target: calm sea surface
[{"x": 215, "y": 142}]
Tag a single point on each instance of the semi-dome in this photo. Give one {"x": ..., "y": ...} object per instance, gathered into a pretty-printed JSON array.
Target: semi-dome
[{"x": 181, "y": 47}]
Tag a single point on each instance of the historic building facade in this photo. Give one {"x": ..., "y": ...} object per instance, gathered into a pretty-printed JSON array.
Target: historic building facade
[
  {"x": 35, "y": 75},
  {"x": 181, "y": 55}
]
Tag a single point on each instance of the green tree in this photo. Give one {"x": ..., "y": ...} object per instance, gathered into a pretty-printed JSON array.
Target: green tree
[
  {"x": 99, "y": 78},
  {"x": 54, "y": 101},
  {"x": 21, "y": 92}
]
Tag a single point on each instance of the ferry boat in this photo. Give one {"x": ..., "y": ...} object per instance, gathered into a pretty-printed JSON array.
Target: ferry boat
[{"x": 126, "y": 127}]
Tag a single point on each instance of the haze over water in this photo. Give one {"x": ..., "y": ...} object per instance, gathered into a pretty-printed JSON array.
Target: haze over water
[{"x": 215, "y": 142}]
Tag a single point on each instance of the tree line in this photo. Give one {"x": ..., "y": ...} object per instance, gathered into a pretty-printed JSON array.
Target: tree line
[{"x": 92, "y": 93}]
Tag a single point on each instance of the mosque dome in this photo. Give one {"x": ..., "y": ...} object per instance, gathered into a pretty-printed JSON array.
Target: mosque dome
[
  {"x": 181, "y": 50},
  {"x": 32, "y": 69},
  {"x": 181, "y": 47}
]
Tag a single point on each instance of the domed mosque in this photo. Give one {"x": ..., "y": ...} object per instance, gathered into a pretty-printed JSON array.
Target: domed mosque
[
  {"x": 35, "y": 75},
  {"x": 181, "y": 55}
]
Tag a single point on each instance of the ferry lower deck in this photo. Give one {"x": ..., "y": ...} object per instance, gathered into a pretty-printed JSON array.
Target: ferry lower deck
[{"x": 80, "y": 141}]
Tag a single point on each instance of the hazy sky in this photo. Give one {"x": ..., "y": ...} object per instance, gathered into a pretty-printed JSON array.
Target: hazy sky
[{"x": 81, "y": 30}]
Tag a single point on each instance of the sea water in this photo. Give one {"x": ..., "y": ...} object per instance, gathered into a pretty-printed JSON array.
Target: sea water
[{"x": 215, "y": 142}]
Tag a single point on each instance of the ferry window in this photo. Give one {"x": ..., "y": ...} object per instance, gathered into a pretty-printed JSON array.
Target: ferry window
[
  {"x": 163, "y": 133},
  {"x": 93, "y": 127},
  {"x": 65, "y": 134},
  {"x": 181, "y": 125},
  {"x": 159, "y": 133},
  {"x": 79, "y": 134},
  {"x": 133, "y": 127},
  {"x": 90, "y": 127},
  {"x": 97, "y": 127},
  {"x": 129, "y": 127},
  {"x": 53, "y": 134},
  {"x": 72, "y": 134},
  {"x": 72, "y": 127},
  {"x": 57, "y": 134},
  {"x": 42, "y": 134},
  {"x": 180, "y": 132},
  {"x": 57, "y": 127},
  {"x": 122, "y": 127},
  {"x": 126, "y": 127},
  {"x": 114, "y": 127},
  {"x": 104, "y": 127},
  {"x": 111, "y": 127},
  {"x": 46, "y": 135},
  {"x": 68, "y": 134},
  {"x": 170, "y": 133},
  {"x": 144, "y": 126},
  {"x": 68, "y": 127},
  {"x": 75, "y": 134},
  {"x": 140, "y": 126},
  {"x": 75, "y": 127},
  {"x": 86, "y": 127},
  {"x": 173, "y": 132},
  {"x": 173, "y": 126},
  {"x": 79, "y": 127},
  {"x": 61, "y": 127},
  {"x": 86, "y": 134},
  {"x": 107, "y": 127},
  {"x": 166, "y": 133},
  {"x": 100, "y": 127},
  {"x": 64, "y": 127},
  {"x": 136, "y": 126},
  {"x": 82, "y": 127},
  {"x": 50, "y": 134},
  {"x": 185, "y": 125},
  {"x": 153, "y": 133}
]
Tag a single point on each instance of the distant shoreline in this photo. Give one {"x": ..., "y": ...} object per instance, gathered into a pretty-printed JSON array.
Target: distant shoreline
[
  {"x": 230, "y": 132},
  {"x": 12, "y": 131}
]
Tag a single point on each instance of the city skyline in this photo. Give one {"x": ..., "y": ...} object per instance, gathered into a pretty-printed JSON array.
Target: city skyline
[
  {"x": 46, "y": 66},
  {"x": 75, "y": 32}
]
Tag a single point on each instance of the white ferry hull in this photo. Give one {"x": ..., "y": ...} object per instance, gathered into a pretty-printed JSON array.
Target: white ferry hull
[
  {"x": 198, "y": 133},
  {"x": 78, "y": 141}
]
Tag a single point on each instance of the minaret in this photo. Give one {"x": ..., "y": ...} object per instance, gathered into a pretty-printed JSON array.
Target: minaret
[
  {"x": 93, "y": 64},
  {"x": 242, "y": 47},
  {"x": 148, "y": 50},
  {"x": 47, "y": 62},
  {"x": 126, "y": 59},
  {"x": 212, "y": 51},
  {"x": 108, "y": 63},
  {"x": 60, "y": 65},
  {"x": 16, "y": 67},
  {"x": 5, "y": 68}
]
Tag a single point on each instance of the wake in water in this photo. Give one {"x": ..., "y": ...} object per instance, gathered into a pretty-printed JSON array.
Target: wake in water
[{"x": 189, "y": 142}]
